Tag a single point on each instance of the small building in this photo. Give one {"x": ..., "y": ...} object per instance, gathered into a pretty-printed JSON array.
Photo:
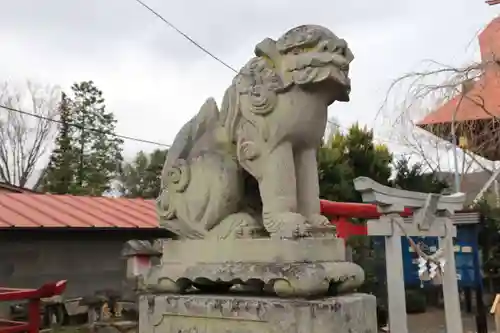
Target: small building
[
  {"x": 45, "y": 237},
  {"x": 474, "y": 113}
]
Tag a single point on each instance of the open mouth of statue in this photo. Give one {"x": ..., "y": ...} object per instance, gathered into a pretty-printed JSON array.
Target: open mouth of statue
[
  {"x": 343, "y": 77},
  {"x": 315, "y": 67},
  {"x": 316, "y": 59}
]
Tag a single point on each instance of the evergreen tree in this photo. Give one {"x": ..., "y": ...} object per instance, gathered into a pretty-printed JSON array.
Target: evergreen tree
[
  {"x": 88, "y": 154},
  {"x": 415, "y": 179},
  {"x": 347, "y": 156},
  {"x": 59, "y": 173},
  {"x": 141, "y": 178}
]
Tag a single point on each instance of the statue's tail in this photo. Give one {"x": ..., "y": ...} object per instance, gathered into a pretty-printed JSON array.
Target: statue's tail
[
  {"x": 192, "y": 201},
  {"x": 189, "y": 134},
  {"x": 229, "y": 117}
]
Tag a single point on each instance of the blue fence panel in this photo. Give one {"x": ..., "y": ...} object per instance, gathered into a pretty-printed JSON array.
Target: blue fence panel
[
  {"x": 410, "y": 258},
  {"x": 466, "y": 256}
]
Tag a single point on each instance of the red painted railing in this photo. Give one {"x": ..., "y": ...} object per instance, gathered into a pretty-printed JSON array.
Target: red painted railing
[
  {"x": 353, "y": 209},
  {"x": 33, "y": 297},
  {"x": 340, "y": 211}
]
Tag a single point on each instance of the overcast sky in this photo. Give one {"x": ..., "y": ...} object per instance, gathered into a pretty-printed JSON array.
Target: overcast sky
[{"x": 154, "y": 80}]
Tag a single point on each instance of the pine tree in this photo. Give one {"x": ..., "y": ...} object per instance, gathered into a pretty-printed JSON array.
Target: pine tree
[
  {"x": 91, "y": 149},
  {"x": 59, "y": 173},
  {"x": 414, "y": 178},
  {"x": 141, "y": 178}
]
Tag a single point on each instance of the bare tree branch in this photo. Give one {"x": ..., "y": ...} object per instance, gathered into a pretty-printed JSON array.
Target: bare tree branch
[
  {"x": 423, "y": 93},
  {"x": 25, "y": 139}
]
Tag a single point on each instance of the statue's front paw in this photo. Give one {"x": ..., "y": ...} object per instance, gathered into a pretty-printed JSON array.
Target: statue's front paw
[
  {"x": 318, "y": 220},
  {"x": 286, "y": 225},
  {"x": 321, "y": 226}
]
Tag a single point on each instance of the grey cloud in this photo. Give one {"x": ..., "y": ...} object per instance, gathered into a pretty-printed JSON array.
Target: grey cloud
[
  {"x": 223, "y": 26},
  {"x": 388, "y": 38},
  {"x": 91, "y": 26},
  {"x": 73, "y": 21}
]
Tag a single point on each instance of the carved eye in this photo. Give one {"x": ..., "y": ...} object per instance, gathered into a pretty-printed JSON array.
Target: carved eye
[{"x": 327, "y": 46}]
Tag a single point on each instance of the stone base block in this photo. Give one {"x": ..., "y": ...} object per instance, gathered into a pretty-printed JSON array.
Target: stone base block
[
  {"x": 287, "y": 268},
  {"x": 354, "y": 313}
]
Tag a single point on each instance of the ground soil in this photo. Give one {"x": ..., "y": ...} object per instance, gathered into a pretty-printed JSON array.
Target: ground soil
[{"x": 432, "y": 321}]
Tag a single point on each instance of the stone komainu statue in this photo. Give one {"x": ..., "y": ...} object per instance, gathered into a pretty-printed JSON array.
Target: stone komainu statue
[{"x": 250, "y": 168}]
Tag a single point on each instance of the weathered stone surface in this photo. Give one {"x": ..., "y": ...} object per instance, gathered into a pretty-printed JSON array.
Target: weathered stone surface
[
  {"x": 252, "y": 165},
  {"x": 217, "y": 314},
  {"x": 304, "y": 267},
  {"x": 261, "y": 250}
]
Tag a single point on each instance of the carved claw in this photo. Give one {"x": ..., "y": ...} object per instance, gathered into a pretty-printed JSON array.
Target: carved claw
[
  {"x": 286, "y": 225},
  {"x": 321, "y": 226},
  {"x": 318, "y": 220}
]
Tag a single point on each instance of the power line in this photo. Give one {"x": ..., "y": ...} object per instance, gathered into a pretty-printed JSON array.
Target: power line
[
  {"x": 186, "y": 36},
  {"x": 125, "y": 137},
  {"x": 211, "y": 54},
  {"x": 222, "y": 61},
  {"x": 82, "y": 127}
]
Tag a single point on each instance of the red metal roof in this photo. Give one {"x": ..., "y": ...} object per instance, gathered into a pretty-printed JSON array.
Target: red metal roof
[
  {"x": 26, "y": 210},
  {"x": 481, "y": 102},
  {"x": 485, "y": 94}
]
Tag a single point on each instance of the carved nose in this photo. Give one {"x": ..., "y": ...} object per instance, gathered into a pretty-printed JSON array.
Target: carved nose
[
  {"x": 340, "y": 47},
  {"x": 344, "y": 50}
]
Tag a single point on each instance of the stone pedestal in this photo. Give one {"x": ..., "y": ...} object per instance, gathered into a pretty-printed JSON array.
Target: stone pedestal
[
  {"x": 354, "y": 313},
  {"x": 289, "y": 268}
]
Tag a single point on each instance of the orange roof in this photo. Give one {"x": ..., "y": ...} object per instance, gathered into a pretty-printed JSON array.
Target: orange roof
[
  {"x": 26, "y": 210},
  {"x": 481, "y": 102},
  {"x": 484, "y": 95}
]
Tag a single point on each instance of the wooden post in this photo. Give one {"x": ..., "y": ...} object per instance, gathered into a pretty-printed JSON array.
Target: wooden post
[
  {"x": 468, "y": 299},
  {"x": 481, "y": 320},
  {"x": 495, "y": 310}
]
